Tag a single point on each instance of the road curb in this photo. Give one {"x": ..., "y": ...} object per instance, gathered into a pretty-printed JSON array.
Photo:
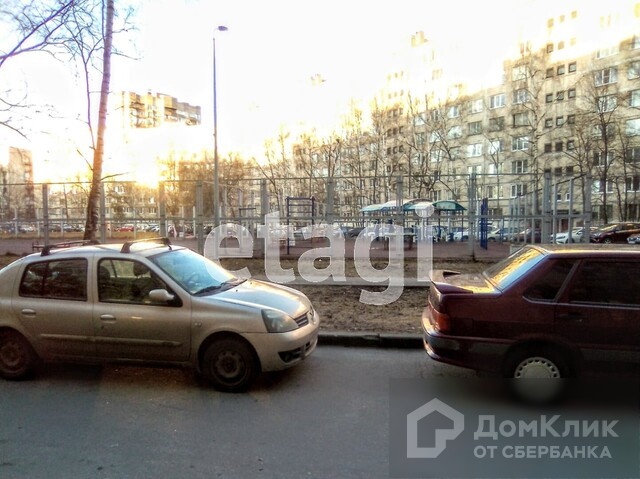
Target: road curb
[{"x": 370, "y": 340}]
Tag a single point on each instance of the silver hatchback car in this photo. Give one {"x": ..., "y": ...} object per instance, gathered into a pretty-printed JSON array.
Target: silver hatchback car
[{"x": 149, "y": 302}]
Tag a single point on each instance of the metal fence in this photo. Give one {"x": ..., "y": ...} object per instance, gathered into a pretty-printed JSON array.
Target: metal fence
[{"x": 184, "y": 208}]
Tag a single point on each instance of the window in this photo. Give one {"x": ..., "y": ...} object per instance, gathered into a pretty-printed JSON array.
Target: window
[
  {"x": 549, "y": 72},
  {"x": 519, "y": 73},
  {"x": 436, "y": 155},
  {"x": 548, "y": 147},
  {"x": 496, "y": 124},
  {"x": 61, "y": 279},
  {"x": 498, "y": 101},
  {"x": 559, "y": 121},
  {"x": 560, "y": 70},
  {"x": 600, "y": 159},
  {"x": 568, "y": 170},
  {"x": 560, "y": 45},
  {"x": 632, "y": 127},
  {"x": 608, "y": 51},
  {"x": 518, "y": 190},
  {"x": 632, "y": 183},
  {"x": 494, "y": 169},
  {"x": 475, "y": 127},
  {"x": 634, "y": 98},
  {"x": 520, "y": 143},
  {"x": 632, "y": 155},
  {"x": 474, "y": 149},
  {"x": 606, "y": 282},
  {"x": 559, "y": 146},
  {"x": 573, "y": 67},
  {"x": 495, "y": 146},
  {"x": 455, "y": 132},
  {"x": 548, "y": 122},
  {"x": 519, "y": 166},
  {"x": 520, "y": 119},
  {"x": 548, "y": 98},
  {"x": 476, "y": 106},
  {"x": 571, "y": 145},
  {"x": 548, "y": 285},
  {"x": 492, "y": 192},
  {"x": 474, "y": 170},
  {"x": 557, "y": 171},
  {"x": 549, "y": 47},
  {"x": 454, "y": 112},
  {"x": 560, "y": 96},
  {"x": 571, "y": 93},
  {"x": 126, "y": 281},
  {"x": 606, "y": 103},
  {"x": 633, "y": 71},
  {"x": 521, "y": 96},
  {"x": 606, "y": 76},
  {"x": 571, "y": 119}
]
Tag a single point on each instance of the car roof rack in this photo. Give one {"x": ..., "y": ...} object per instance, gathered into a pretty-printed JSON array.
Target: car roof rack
[
  {"x": 161, "y": 240},
  {"x": 46, "y": 250}
]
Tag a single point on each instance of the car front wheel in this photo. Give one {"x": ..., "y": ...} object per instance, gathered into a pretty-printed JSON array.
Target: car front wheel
[
  {"x": 17, "y": 357},
  {"x": 230, "y": 365}
]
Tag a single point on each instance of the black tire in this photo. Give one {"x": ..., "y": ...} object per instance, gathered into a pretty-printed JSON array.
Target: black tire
[
  {"x": 608, "y": 241},
  {"x": 17, "y": 358},
  {"x": 230, "y": 365},
  {"x": 526, "y": 368}
]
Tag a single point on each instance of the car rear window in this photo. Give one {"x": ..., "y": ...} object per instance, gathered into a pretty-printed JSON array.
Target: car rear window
[{"x": 509, "y": 270}]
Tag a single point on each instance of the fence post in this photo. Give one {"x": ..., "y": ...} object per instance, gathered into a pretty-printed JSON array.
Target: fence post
[
  {"x": 103, "y": 215},
  {"x": 45, "y": 212},
  {"x": 399, "y": 201},
  {"x": 587, "y": 207},
  {"x": 472, "y": 194},
  {"x": 546, "y": 209},
  {"x": 199, "y": 217},
  {"x": 162, "y": 209},
  {"x": 329, "y": 211}
]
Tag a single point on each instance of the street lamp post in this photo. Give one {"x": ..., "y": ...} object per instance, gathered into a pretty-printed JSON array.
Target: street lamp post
[{"x": 216, "y": 172}]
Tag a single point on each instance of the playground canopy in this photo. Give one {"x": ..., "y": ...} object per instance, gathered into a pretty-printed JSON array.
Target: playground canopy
[{"x": 415, "y": 204}]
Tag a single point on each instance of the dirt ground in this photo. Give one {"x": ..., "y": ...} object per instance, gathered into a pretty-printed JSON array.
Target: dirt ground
[{"x": 340, "y": 307}]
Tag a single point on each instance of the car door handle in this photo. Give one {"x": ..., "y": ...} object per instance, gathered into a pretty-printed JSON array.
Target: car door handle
[
  {"x": 571, "y": 316},
  {"x": 28, "y": 312},
  {"x": 107, "y": 317}
]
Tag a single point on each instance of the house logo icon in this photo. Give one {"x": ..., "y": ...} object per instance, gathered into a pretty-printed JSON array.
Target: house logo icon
[{"x": 441, "y": 435}]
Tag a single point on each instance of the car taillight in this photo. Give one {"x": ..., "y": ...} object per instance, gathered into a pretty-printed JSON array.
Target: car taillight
[{"x": 441, "y": 321}]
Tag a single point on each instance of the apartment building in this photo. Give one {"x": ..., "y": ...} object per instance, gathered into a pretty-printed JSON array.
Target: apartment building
[
  {"x": 566, "y": 103},
  {"x": 152, "y": 110}
]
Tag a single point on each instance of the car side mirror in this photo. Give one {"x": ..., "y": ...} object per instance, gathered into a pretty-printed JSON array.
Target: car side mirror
[{"x": 160, "y": 296}]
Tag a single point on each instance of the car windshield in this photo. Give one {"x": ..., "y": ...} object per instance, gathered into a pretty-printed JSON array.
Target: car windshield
[
  {"x": 509, "y": 270},
  {"x": 195, "y": 273}
]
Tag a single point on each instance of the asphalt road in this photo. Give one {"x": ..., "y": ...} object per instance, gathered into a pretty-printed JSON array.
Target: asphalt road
[{"x": 326, "y": 418}]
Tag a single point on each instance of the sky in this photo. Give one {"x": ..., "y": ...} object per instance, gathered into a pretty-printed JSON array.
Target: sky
[{"x": 267, "y": 57}]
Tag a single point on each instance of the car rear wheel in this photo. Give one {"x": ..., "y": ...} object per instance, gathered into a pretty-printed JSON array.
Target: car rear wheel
[
  {"x": 17, "y": 357},
  {"x": 230, "y": 365},
  {"x": 608, "y": 241},
  {"x": 537, "y": 373}
]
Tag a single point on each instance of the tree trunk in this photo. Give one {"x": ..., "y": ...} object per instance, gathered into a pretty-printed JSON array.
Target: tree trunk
[{"x": 93, "y": 205}]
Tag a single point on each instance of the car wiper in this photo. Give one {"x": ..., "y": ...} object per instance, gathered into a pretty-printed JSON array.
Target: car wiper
[{"x": 208, "y": 289}]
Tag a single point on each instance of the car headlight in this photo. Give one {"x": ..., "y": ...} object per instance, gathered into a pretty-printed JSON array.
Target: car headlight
[{"x": 277, "y": 321}]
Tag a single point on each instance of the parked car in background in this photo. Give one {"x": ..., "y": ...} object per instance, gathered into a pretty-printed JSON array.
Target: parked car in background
[
  {"x": 548, "y": 311},
  {"x": 564, "y": 237},
  {"x": 461, "y": 235},
  {"x": 501, "y": 234},
  {"x": 149, "y": 301},
  {"x": 615, "y": 233},
  {"x": 527, "y": 236},
  {"x": 634, "y": 239}
]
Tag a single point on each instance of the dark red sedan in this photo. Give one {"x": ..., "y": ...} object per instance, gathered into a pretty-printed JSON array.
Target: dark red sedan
[{"x": 546, "y": 311}]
